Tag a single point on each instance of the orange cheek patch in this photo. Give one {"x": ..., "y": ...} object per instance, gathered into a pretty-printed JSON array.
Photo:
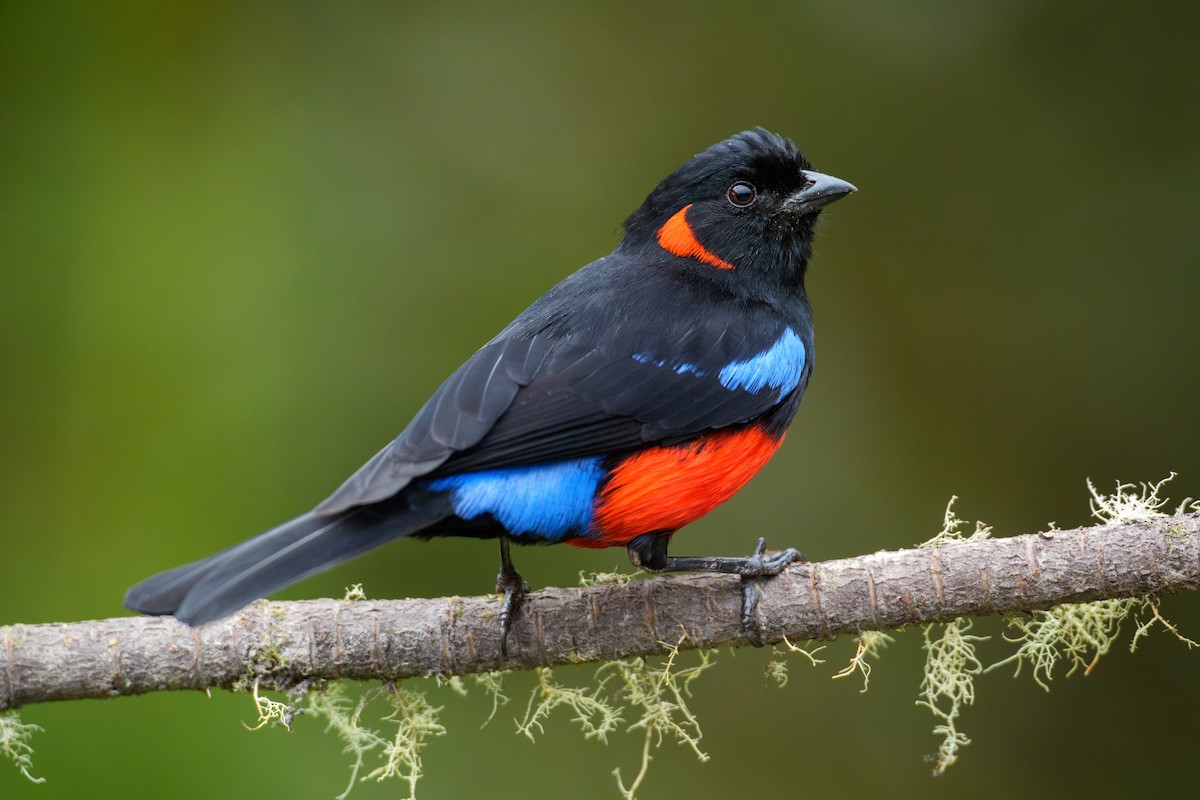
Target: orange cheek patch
[
  {"x": 666, "y": 488},
  {"x": 676, "y": 237}
]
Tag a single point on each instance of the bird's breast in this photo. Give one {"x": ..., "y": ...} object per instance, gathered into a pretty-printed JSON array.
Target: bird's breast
[{"x": 665, "y": 488}]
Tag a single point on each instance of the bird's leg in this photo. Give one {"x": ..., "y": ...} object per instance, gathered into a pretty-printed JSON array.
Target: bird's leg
[
  {"x": 513, "y": 586},
  {"x": 650, "y": 552}
]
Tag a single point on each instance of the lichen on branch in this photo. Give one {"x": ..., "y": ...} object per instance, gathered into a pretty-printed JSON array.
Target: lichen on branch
[
  {"x": 14, "y": 743},
  {"x": 637, "y": 628}
]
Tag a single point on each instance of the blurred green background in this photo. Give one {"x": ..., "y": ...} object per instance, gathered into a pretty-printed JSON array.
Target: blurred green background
[{"x": 241, "y": 243}]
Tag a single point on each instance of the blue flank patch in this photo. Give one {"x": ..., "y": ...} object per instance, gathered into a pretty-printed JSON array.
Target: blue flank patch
[
  {"x": 779, "y": 367},
  {"x": 545, "y": 502}
]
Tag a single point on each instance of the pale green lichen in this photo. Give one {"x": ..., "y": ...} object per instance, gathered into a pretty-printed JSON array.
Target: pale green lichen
[
  {"x": 869, "y": 644},
  {"x": 355, "y": 593},
  {"x": 270, "y": 711},
  {"x": 950, "y": 661},
  {"x": 661, "y": 694},
  {"x": 605, "y": 578},
  {"x": 1157, "y": 618},
  {"x": 590, "y": 708},
  {"x": 951, "y": 532},
  {"x": 950, "y": 669},
  {"x": 415, "y": 721},
  {"x": 656, "y": 693},
  {"x": 14, "y": 743},
  {"x": 492, "y": 684},
  {"x": 343, "y": 717},
  {"x": 777, "y": 668},
  {"x": 454, "y": 683},
  {"x": 1130, "y": 502},
  {"x": 1080, "y": 633}
]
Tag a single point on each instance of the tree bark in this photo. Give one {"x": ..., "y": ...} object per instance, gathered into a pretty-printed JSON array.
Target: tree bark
[{"x": 291, "y": 642}]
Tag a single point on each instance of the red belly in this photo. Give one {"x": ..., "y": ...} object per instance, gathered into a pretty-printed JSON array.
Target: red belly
[{"x": 665, "y": 488}]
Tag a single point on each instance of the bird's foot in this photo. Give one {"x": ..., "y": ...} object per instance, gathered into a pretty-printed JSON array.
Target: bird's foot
[
  {"x": 764, "y": 565},
  {"x": 650, "y": 552},
  {"x": 757, "y": 566}
]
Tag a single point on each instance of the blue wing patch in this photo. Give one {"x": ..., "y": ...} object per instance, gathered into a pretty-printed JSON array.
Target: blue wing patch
[
  {"x": 680, "y": 368},
  {"x": 779, "y": 366},
  {"x": 544, "y": 502}
]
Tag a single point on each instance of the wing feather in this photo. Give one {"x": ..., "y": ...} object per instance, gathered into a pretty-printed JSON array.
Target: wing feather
[{"x": 542, "y": 393}]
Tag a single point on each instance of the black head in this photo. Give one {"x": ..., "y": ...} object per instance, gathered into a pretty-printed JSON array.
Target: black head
[{"x": 744, "y": 206}]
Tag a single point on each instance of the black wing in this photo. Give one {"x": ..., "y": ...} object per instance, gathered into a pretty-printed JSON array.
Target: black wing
[
  {"x": 527, "y": 399},
  {"x": 458, "y": 415}
]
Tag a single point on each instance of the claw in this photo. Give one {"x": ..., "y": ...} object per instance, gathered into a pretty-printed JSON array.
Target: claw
[
  {"x": 510, "y": 583},
  {"x": 758, "y": 566},
  {"x": 514, "y": 588},
  {"x": 751, "y": 593},
  {"x": 760, "y": 547},
  {"x": 778, "y": 562},
  {"x": 650, "y": 552},
  {"x": 761, "y": 565}
]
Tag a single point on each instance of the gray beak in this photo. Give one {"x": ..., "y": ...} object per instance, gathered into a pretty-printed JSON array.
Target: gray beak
[{"x": 821, "y": 191}]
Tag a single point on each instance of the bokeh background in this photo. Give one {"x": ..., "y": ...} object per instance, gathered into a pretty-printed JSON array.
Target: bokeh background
[{"x": 241, "y": 243}]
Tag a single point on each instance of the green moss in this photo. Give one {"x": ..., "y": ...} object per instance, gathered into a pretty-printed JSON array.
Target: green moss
[
  {"x": 270, "y": 659},
  {"x": 456, "y": 607}
]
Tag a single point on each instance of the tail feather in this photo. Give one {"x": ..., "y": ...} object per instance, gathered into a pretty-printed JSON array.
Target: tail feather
[
  {"x": 220, "y": 585},
  {"x": 162, "y": 593}
]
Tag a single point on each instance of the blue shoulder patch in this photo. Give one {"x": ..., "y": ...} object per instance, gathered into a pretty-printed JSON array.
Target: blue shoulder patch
[
  {"x": 779, "y": 366},
  {"x": 544, "y": 502}
]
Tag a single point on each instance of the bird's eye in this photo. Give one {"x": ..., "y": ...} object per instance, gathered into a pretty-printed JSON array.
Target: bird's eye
[{"x": 741, "y": 194}]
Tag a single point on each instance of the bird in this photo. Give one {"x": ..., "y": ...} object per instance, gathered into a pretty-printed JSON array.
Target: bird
[{"x": 631, "y": 399}]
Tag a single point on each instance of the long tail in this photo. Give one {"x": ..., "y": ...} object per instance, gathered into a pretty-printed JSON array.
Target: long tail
[{"x": 216, "y": 587}]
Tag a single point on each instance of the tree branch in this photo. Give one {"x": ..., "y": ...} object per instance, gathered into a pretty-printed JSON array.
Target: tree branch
[{"x": 290, "y": 642}]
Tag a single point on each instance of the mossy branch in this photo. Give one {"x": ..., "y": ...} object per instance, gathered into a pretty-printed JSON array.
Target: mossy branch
[{"x": 290, "y": 643}]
